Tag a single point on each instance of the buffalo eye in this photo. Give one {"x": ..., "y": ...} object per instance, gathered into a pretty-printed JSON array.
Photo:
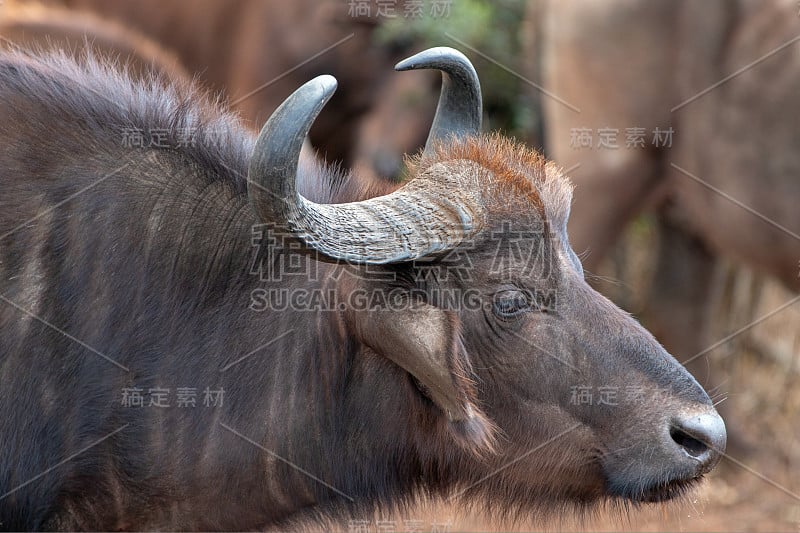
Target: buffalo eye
[{"x": 511, "y": 303}]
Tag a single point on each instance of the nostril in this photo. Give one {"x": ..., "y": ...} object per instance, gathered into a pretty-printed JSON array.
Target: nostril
[
  {"x": 693, "y": 446},
  {"x": 700, "y": 436}
]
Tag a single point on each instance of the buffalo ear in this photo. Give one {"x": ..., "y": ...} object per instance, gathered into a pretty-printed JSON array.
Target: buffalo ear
[{"x": 426, "y": 342}]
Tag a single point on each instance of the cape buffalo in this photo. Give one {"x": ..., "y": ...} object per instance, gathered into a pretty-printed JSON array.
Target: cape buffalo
[
  {"x": 726, "y": 180},
  {"x": 37, "y": 27},
  {"x": 257, "y": 51},
  {"x": 440, "y": 339}
]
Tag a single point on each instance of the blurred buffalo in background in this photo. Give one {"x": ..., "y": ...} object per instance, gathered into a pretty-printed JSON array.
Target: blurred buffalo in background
[
  {"x": 687, "y": 108},
  {"x": 256, "y": 51},
  {"x": 37, "y": 27}
]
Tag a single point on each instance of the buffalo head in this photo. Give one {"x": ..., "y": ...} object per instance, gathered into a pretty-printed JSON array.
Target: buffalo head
[{"x": 553, "y": 393}]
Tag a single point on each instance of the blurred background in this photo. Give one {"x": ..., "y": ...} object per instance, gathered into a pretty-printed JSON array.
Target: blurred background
[{"x": 676, "y": 120}]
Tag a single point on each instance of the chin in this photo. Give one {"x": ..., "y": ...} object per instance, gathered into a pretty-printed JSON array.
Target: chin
[{"x": 653, "y": 492}]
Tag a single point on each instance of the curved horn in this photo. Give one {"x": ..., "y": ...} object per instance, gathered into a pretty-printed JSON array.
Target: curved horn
[
  {"x": 271, "y": 179},
  {"x": 410, "y": 223},
  {"x": 460, "y": 106}
]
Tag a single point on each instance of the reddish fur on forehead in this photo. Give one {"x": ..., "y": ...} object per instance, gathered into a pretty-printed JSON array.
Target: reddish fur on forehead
[{"x": 512, "y": 165}]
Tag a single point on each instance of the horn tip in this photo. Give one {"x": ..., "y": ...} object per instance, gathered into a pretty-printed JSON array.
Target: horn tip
[
  {"x": 406, "y": 64},
  {"x": 325, "y": 83},
  {"x": 425, "y": 58}
]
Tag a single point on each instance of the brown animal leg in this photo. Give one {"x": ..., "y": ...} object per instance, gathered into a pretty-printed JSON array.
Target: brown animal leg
[
  {"x": 677, "y": 309},
  {"x": 677, "y": 312}
]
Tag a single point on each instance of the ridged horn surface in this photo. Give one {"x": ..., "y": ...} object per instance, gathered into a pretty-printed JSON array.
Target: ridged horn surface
[{"x": 410, "y": 223}]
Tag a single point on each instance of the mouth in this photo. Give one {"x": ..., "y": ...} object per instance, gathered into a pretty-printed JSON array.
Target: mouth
[{"x": 660, "y": 492}]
